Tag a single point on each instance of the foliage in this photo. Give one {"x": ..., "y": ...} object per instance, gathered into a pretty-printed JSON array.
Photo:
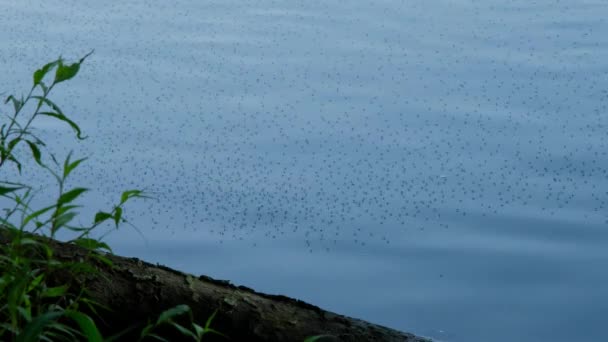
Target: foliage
[
  {"x": 30, "y": 308},
  {"x": 195, "y": 331}
]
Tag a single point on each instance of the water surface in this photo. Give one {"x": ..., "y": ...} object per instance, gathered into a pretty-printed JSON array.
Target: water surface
[{"x": 437, "y": 167}]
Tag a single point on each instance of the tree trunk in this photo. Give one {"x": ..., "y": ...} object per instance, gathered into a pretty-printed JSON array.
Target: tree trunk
[{"x": 136, "y": 292}]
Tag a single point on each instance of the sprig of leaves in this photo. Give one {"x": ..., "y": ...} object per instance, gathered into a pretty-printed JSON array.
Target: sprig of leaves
[{"x": 31, "y": 309}]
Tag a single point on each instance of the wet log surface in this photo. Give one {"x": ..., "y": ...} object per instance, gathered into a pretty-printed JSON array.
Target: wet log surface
[{"x": 137, "y": 292}]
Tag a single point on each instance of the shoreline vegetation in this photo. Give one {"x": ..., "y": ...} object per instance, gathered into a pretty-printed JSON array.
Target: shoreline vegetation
[
  {"x": 79, "y": 290},
  {"x": 135, "y": 291}
]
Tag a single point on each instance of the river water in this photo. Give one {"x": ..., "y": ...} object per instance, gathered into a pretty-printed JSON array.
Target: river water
[{"x": 438, "y": 167}]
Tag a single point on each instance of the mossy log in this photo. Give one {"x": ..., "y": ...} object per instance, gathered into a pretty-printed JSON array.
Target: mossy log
[{"x": 137, "y": 292}]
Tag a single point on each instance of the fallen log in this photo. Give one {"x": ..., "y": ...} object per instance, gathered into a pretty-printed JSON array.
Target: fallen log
[{"x": 136, "y": 292}]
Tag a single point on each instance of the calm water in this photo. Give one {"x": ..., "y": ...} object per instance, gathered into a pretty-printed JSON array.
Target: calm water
[{"x": 438, "y": 167}]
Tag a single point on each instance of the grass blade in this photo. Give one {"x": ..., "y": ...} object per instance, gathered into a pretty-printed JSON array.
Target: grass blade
[
  {"x": 87, "y": 326},
  {"x": 70, "y": 196},
  {"x": 32, "y": 330}
]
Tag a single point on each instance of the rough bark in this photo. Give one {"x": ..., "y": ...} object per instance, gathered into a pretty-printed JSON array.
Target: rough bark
[{"x": 137, "y": 291}]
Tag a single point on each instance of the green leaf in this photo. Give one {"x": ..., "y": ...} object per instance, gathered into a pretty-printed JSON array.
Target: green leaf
[
  {"x": 210, "y": 319},
  {"x": 11, "y": 145},
  {"x": 62, "y": 220},
  {"x": 208, "y": 328},
  {"x": 11, "y": 158},
  {"x": 65, "y": 72},
  {"x": 68, "y": 167},
  {"x": 17, "y": 104},
  {"x": 70, "y": 195},
  {"x": 92, "y": 305},
  {"x": 35, "y": 282},
  {"x": 183, "y": 330},
  {"x": 45, "y": 89},
  {"x": 129, "y": 194},
  {"x": 15, "y": 296},
  {"x": 35, "y": 152},
  {"x": 117, "y": 215},
  {"x": 173, "y": 312},
  {"x": 5, "y": 155},
  {"x": 146, "y": 331},
  {"x": 59, "y": 332},
  {"x": 80, "y": 229},
  {"x": 56, "y": 291},
  {"x": 65, "y": 209},
  {"x": 65, "y": 119},
  {"x": 157, "y": 337},
  {"x": 40, "y": 73},
  {"x": 86, "y": 324},
  {"x": 199, "y": 330},
  {"x": 25, "y": 313},
  {"x": 36, "y": 214},
  {"x": 102, "y": 216},
  {"x": 104, "y": 259},
  {"x": 213, "y": 331},
  {"x": 51, "y": 104},
  {"x": 5, "y": 190},
  {"x": 92, "y": 244},
  {"x": 26, "y": 242},
  {"x": 86, "y": 56},
  {"x": 32, "y": 331}
]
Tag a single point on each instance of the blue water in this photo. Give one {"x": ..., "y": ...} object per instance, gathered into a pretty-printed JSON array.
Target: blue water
[{"x": 438, "y": 167}]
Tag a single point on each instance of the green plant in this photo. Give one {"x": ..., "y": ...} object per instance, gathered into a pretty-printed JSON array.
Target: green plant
[
  {"x": 30, "y": 308},
  {"x": 195, "y": 331}
]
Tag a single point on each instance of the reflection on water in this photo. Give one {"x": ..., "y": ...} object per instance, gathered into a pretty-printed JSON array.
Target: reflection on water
[{"x": 435, "y": 167}]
